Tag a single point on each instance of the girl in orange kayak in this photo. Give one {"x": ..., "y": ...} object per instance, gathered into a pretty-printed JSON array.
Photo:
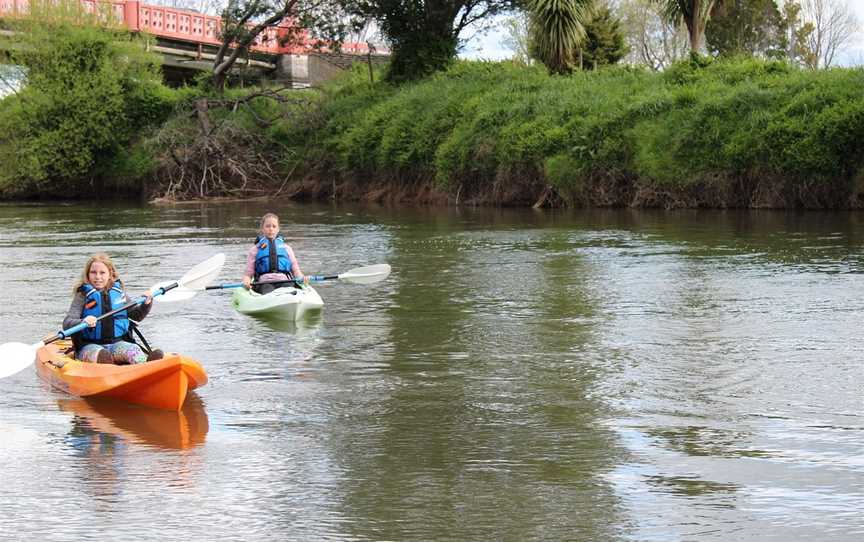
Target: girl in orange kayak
[
  {"x": 109, "y": 340},
  {"x": 270, "y": 259}
]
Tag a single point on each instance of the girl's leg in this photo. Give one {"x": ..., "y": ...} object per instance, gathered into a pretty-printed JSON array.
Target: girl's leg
[
  {"x": 90, "y": 353},
  {"x": 264, "y": 288},
  {"x": 126, "y": 353}
]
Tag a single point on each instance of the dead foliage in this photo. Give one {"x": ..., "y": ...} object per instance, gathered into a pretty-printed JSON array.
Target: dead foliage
[{"x": 216, "y": 157}]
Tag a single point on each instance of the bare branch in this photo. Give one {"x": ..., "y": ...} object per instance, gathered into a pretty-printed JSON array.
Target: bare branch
[{"x": 834, "y": 27}]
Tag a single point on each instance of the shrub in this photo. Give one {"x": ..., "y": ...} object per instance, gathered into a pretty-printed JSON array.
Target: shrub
[{"x": 88, "y": 93}]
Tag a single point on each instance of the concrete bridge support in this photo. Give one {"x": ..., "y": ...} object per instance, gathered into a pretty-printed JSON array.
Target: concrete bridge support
[{"x": 315, "y": 68}]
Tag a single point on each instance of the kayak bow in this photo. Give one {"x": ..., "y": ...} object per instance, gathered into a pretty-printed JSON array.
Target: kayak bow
[
  {"x": 160, "y": 384},
  {"x": 287, "y": 303}
]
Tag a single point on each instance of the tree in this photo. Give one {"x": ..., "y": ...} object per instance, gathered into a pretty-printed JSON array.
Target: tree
[
  {"x": 797, "y": 36},
  {"x": 516, "y": 37},
  {"x": 604, "y": 42},
  {"x": 834, "y": 26},
  {"x": 556, "y": 31},
  {"x": 694, "y": 13},
  {"x": 87, "y": 92},
  {"x": 424, "y": 35},
  {"x": 326, "y": 22},
  {"x": 653, "y": 39},
  {"x": 746, "y": 27}
]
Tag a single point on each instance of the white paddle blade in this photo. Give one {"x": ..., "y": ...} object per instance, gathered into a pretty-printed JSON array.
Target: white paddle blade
[
  {"x": 175, "y": 294},
  {"x": 15, "y": 357},
  {"x": 366, "y": 275},
  {"x": 202, "y": 274}
]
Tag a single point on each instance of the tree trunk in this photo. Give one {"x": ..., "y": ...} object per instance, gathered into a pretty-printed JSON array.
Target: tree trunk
[
  {"x": 697, "y": 22},
  {"x": 697, "y": 38}
]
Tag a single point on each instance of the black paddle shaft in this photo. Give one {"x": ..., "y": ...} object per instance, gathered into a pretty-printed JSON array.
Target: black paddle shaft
[
  {"x": 298, "y": 282},
  {"x": 136, "y": 302},
  {"x": 226, "y": 286}
]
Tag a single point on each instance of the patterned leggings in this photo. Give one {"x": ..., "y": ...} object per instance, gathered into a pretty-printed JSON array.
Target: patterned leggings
[{"x": 123, "y": 352}]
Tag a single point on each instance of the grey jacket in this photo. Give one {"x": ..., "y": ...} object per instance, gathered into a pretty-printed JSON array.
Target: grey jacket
[{"x": 73, "y": 317}]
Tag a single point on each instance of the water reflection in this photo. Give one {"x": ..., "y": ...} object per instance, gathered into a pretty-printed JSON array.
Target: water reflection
[
  {"x": 698, "y": 441},
  {"x": 99, "y": 426},
  {"x": 477, "y": 395},
  {"x": 310, "y": 323},
  {"x": 694, "y": 487},
  {"x": 589, "y": 375}
]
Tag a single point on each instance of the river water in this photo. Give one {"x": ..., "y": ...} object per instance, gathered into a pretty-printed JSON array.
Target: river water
[{"x": 521, "y": 375}]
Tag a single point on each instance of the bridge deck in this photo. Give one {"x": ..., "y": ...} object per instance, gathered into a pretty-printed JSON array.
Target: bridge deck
[{"x": 182, "y": 25}]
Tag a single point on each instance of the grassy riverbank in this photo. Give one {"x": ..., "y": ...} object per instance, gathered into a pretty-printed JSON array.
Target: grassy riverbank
[
  {"x": 743, "y": 133},
  {"x": 740, "y": 133}
]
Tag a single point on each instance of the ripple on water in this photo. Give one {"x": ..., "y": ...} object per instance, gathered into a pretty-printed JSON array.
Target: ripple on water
[{"x": 589, "y": 375}]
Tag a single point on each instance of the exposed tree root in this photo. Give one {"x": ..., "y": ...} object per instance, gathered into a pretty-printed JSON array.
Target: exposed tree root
[
  {"x": 228, "y": 162},
  {"x": 219, "y": 160}
]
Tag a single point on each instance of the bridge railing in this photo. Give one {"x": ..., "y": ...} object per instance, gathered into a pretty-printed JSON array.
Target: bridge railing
[
  {"x": 194, "y": 27},
  {"x": 181, "y": 24}
]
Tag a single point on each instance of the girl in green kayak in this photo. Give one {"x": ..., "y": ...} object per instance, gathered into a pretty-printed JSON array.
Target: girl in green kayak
[
  {"x": 99, "y": 291},
  {"x": 270, "y": 259}
]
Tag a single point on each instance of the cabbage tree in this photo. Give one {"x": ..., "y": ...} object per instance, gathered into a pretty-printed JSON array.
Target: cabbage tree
[
  {"x": 694, "y": 13},
  {"x": 557, "y": 30}
]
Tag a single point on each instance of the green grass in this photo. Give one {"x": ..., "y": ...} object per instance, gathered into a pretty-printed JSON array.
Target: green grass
[{"x": 735, "y": 119}]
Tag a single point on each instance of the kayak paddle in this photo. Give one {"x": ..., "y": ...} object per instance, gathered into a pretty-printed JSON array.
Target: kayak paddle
[
  {"x": 15, "y": 357},
  {"x": 359, "y": 275}
]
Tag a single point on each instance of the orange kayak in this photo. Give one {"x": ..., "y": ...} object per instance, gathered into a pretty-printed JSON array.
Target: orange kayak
[{"x": 161, "y": 384}]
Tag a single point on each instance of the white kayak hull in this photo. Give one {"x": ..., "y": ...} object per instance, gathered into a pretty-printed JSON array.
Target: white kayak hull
[{"x": 286, "y": 303}]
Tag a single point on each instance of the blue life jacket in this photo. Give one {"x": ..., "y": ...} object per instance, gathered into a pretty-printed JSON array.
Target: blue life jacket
[
  {"x": 98, "y": 302},
  {"x": 272, "y": 257}
]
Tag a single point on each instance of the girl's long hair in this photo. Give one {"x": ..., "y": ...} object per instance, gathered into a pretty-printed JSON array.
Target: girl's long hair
[{"x": 103, "y": 258}]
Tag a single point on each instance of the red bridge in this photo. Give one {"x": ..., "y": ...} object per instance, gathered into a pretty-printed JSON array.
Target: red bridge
[
  {"x": 180, "y": 24},
  {"x": 188, "y": 40}
]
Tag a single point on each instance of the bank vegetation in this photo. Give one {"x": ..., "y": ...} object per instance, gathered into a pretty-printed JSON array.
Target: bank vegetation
[
  {"x": 95, "y": 118},
  {"x": 733, "y": 133}
]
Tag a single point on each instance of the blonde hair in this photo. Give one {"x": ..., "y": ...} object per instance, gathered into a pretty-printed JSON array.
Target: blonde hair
[
  {"x": 264, "y": 219},
  {"x": 101, "y": 258}
]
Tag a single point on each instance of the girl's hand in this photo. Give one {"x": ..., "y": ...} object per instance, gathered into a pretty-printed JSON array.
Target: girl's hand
[
  {"x": 149, "y": 295},
  {"x": 305, "y": 279},
  {"x": 247, "y": 282},
  {"x": 91, "y": 321}
]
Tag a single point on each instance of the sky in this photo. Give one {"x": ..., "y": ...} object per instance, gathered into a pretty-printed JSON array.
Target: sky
[
  {"x": 855, "y": 55},
  {"x": 490, "y": 46}
]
